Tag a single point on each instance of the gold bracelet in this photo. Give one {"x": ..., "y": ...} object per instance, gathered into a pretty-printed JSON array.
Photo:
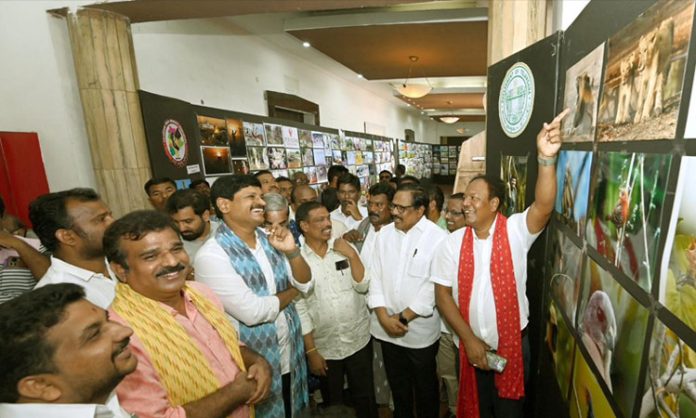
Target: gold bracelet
[{"x": 311, "y": 350}]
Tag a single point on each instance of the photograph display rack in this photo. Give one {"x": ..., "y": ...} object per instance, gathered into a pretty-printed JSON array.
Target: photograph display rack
[{"x": 614, "y": 317}]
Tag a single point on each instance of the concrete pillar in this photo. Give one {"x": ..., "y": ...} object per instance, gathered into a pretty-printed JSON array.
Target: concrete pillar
[{"x": 107, "y": 77}]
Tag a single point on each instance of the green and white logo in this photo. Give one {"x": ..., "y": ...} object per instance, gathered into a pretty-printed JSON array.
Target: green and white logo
[{"x": 516, "y": 100}]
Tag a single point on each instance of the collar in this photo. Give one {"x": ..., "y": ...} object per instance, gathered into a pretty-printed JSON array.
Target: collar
[
  {"x": 112, "y": 408},
  {"x": 491, "y": 231},
  {"x": 190, "y": 308},
  {"x": 73, "y": 270},
  {"x": 421, "y": 225},
  {"x": 306, "y": 250}
]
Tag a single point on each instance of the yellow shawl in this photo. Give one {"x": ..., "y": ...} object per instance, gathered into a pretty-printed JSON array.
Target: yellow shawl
[{"x": 182, "y": 367}]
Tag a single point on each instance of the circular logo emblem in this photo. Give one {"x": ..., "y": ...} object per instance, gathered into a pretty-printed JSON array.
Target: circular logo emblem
[
  {"x": 175, "y": 143},
  {"x": 516, "y": 99}
]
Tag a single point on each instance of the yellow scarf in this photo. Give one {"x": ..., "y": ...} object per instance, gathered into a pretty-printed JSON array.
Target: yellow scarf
[{"x": 181, "y": 366}]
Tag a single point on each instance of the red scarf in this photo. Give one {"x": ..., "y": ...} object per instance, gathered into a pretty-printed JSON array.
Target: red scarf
[{"x": 510, "y": 383}]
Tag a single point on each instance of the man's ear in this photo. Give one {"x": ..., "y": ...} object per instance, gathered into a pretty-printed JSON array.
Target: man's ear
[
  {"x": 119, "y": 271},
  {"x": 223, "y": 204},
  {"x": 303, "y": 225},
  {"x": 206, "y": 215},
  {"x": 41, "y": 388},
  {"x": 66, "y": 237},
  {"x": 494, "y": 204}
]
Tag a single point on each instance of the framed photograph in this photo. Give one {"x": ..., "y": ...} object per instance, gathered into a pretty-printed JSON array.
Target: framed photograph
[
  {"x": 213, "y": 131},
  {"x": 235, "y": 136},
  {"x": 573, "y": 175},
  {"x": 258, "y": 159},
  {"x": 513, "y": 171},
  {"x": 677, "y": 290},
  {"x": 274, "y": 134},
  {"x": 290, "y": 137},
  {"x": 240, "y": 166},
  {"x": 294, "y": 158},
  {"x": 216, "y": 160},
  {"x": 254, "y": 134},
  {"x": 644, "y": 74},
  {"x": 581, "y": 96},
  {"x": 276, "y": 158},
  {"x": 628, "y": 195},
  {"x": 305, "y": 137},
  {"x": 670, "y": 376},
  {"x": 307, "y": 157},
  {"x": 612, "y": 326}
]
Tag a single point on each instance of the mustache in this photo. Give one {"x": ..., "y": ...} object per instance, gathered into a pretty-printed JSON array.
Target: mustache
[
  {"x": 121, "y": 347},
  {"x": 258, "y": 207},
  {"x": 173, "y": 269},
  {"x": 373, "y": 214}
]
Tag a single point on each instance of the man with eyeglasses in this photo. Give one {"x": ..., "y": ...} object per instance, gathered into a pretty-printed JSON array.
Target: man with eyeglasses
[
  {"x": 454, "y": 212},
  {"x": 402, "y": 298}
]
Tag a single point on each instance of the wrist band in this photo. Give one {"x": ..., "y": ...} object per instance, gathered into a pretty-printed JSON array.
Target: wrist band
[
  {"x": 544, "y": 161},
  {"x": 311, "y": 350},
  {"x": 293, "y": 254}
]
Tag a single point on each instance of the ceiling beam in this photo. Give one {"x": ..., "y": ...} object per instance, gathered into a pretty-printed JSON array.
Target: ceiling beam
[
  {"x": 372, "y": 18},
  {"x": 455, "y": 112}
]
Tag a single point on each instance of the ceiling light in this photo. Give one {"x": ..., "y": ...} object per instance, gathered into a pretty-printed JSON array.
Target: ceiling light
[
  {"x": 306, "y": 44},
  {"x": 449, "y": 119},
  {"x": 360, "y": 76},
  {"x": 414, "y": 91}
]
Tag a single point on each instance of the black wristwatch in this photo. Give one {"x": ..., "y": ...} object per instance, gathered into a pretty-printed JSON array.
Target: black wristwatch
[{"x": 402, "y": 319}]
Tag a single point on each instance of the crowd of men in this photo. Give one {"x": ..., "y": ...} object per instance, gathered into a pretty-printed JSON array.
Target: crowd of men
[{"x": 227, "y": 301}]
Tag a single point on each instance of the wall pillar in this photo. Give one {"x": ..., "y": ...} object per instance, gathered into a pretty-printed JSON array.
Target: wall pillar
[
  {"x": 514, "y": 25},
  {"x": 107, "y": 78}
]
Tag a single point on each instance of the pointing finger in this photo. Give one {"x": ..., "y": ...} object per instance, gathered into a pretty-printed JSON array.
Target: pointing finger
[{"x": 561, "y": 115}]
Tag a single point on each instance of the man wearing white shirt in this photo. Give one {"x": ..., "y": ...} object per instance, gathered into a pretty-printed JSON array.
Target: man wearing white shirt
[
  {"x": 256, "y": 276},
  {"x": 349, "y": 212},
  {"x": 71, "y": 224},
  {"x": 378, "y": 214},
  {"x": 481, "y": 273},
  {"x": 61, "y": 356},
  {"x": 403, "y": 300},
  {"x": 335, "y": 319}
]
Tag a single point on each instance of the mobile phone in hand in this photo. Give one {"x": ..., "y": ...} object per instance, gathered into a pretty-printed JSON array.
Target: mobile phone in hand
[{"x": 495, "y": 362}]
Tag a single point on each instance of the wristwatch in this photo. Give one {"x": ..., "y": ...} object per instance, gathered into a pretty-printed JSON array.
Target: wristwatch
[{"x": 402, "y": 319}]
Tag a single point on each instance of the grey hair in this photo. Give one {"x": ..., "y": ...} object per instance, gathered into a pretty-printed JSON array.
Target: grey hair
[{"x": 275, "y": 202}]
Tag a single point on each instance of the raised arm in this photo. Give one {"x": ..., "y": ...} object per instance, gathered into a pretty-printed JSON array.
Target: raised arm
[{"x": 548, "y": 145}]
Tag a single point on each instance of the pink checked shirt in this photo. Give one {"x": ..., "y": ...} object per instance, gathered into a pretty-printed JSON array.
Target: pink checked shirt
[{"x": 142, "y": 393}]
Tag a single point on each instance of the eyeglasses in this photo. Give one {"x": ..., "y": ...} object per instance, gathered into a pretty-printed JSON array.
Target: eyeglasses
[
  {"x": 454, "y": 212},
  {"x": 399, "y": 208}
]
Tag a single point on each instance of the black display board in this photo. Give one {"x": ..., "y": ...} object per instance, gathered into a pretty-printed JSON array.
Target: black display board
[{"x": 612, "y": 282}]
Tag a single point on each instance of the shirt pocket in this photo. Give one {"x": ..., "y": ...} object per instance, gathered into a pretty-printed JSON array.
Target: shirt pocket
[{"x": 419, "y": 267}]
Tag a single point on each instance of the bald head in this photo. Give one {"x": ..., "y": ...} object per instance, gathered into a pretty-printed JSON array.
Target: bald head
[{"x": 302, "y": 194}]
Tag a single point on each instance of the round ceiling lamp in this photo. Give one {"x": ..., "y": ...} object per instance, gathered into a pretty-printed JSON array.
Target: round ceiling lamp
[
  {"x": 413, "y": 91},
  {"x": 449, "y": 119}
]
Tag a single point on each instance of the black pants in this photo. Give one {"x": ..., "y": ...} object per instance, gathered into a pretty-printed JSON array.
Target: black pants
[
  {"x": 287, "y": 395},
  {"x": 358, "y": 368},
  {"x": 490, "y": 404},
  {"x": 412, "y": 371}
]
